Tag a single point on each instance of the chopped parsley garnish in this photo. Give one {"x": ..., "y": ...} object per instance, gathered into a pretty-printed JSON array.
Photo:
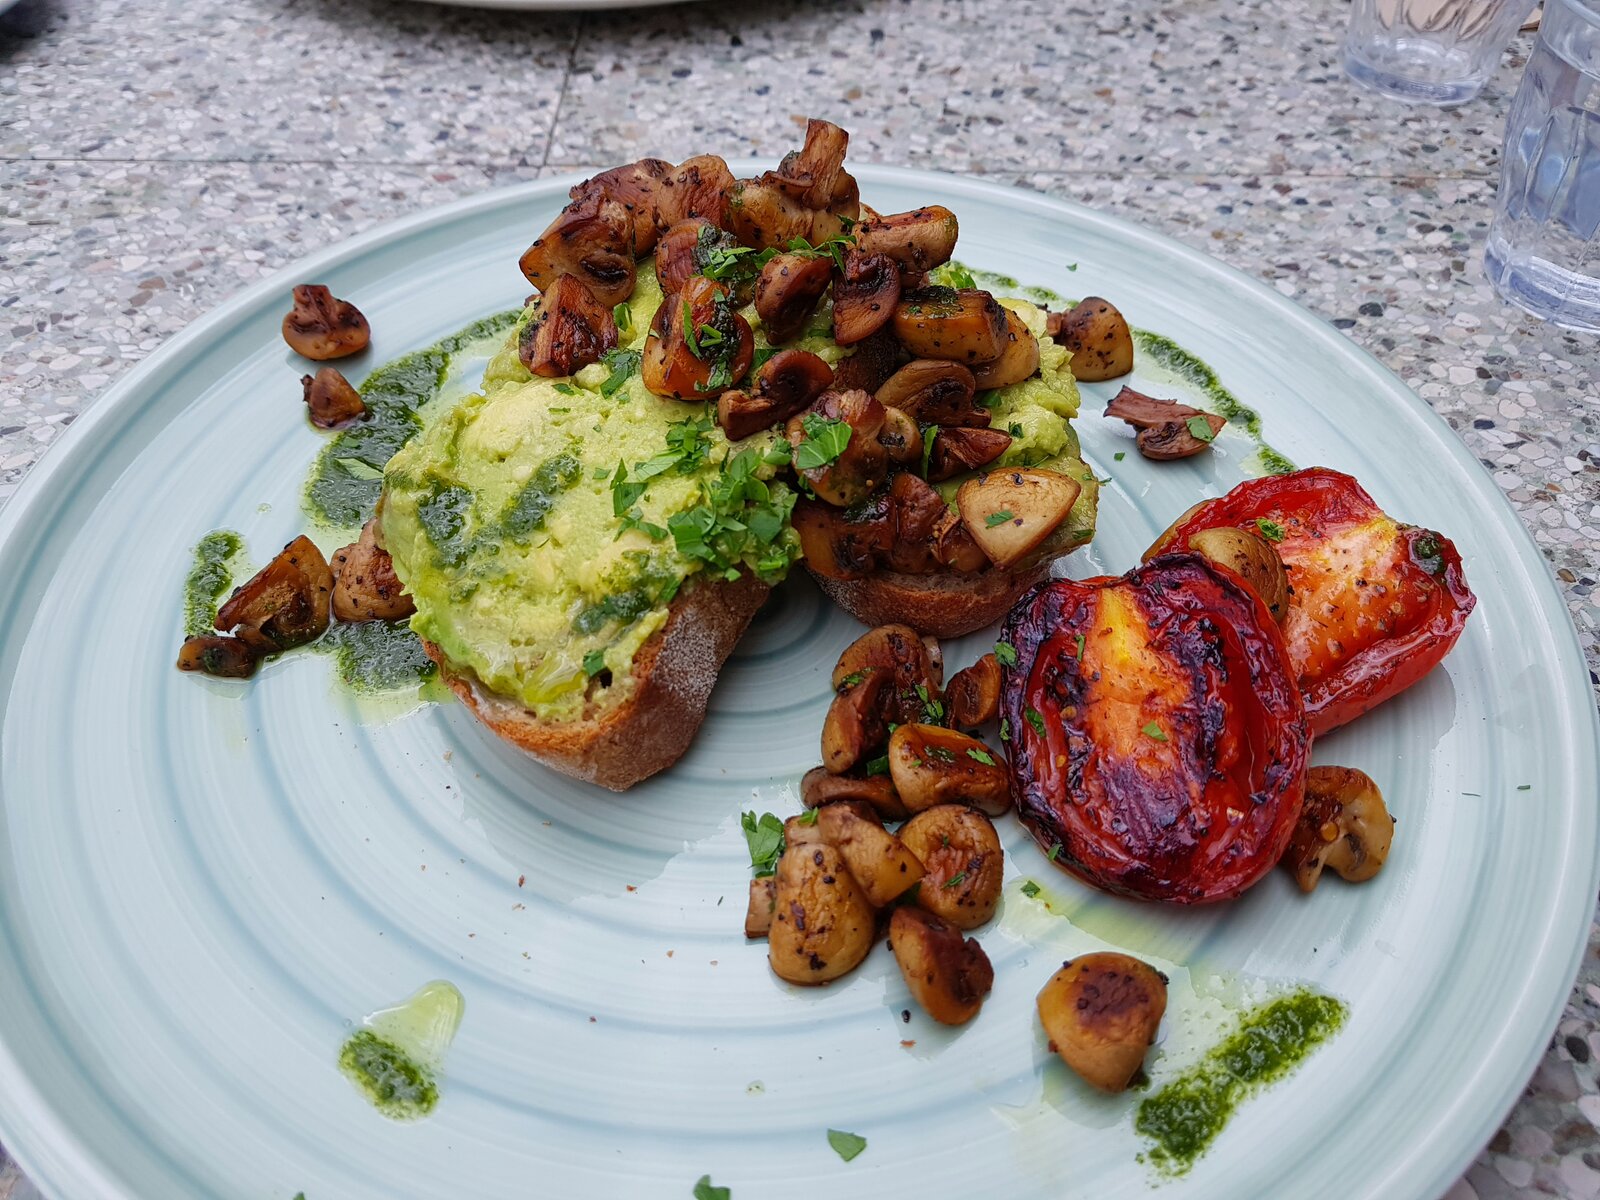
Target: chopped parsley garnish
[
  {"x": 878, "y": 766},
  {"x": 809, "y": 817},
  {"x": 1030, "y": 889},
  {"x": 1120, "y": 455},
  {"x": 930, "y": 435},
  {"x": 623, "y": 316},
  {"x": 955, "y": 880},
  {"x": 739, "y": 522},
  {"x": 1005, "y": 654},
  {"x": 1055, "y": 852},
  {"x": 940, "y": 754},
  {"x": 1080, "y": 647},
  {"x": 932, "y": 707},
  {"x": 1035, "y": 720},
  {"x": 982, "y": 756},
  {"x": 850, "y": 680},
  {"x": 1015, "y": 429},
  {"x": 1201, "y": 429},
  {"x": 953, "y": 274},
  {"x": 1524, "y": 787},
  {"x": 594, "y": 662},
  {"x": 1270, "y": 530},
  {"x": 998, "y": 518},
  {"x": 1153, "y": 731},
  {"x": 825, "y": 440},
  {"x": 624, "y": 366},
  {"x": 704, "y": 1191},
  {"x": 1005, "y": 730},
  {"x": 690, "y": 335},
  {"x": 720, "y": 262},
  {"x": 846, "y": 1145},
  {"x": 764, "y": 835},
  {"x": 566, "y": 389}
]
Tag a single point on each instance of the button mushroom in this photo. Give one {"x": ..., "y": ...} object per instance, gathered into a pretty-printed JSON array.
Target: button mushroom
[
  {"x": 820, "y": 786},
  {"x": 321, "y": 327},
  {"x": 1019, "y": 356},
  {"x": 918, "y": 515},
  {"x": 765, "y": 217},
  {"x": 836, "y": 447},
  {"x": 841, "y": 544},
  {"x": 901, "y": 437},
  {"x": 784, "y": 385},
  {"x": 1252, "y": 558},
  {"x": 857, "y": 722},
  {"x": 932, "y": 765},
  {"x": 934, "y": 392},
  {"x": 948, "y": 975},
  {"x": 788, "y": 291},
  {"x": 700, "y": 187},
  {"x": 1101, "y": 1013},
  {"x": 879, "y": 860},
  {"x": 967, "y": 326},
  {"x": 569, "y": 330},
  {"x": 973, "y": 696},
  {"x": 365, "y": 587},
  {"x": 1343, "y": 826},
  {"x": 1011, "y": 513},
  {"x": 678, "y": 253},
  {"x": 284, "y": 604},
  {"x": 910, "y": 661},
  {"x": 1167, "y": 429},
  {"x": 959, "y": 450},
  {"x": 223, "y": 657},
  {"x": 635, "y": 187},
  {"x": 961, "y": 860},
  {"x": 698, "y": 346},
  {"x": 810, "y": 174},
  {"x": 917, "y": 241},
  {"x": 592, "y": 240},
  {"x": 822, "y": 926},
  {"x": 1098, "y": 336},
  {"x": 869, "y": 364},
  {"x": 954, "y": 546},
  {"x": 330, "y": 399},
  {"x": 864, "y": 296}
]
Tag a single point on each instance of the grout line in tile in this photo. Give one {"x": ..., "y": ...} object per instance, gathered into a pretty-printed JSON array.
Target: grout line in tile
[{"x": 566, "y": 84}]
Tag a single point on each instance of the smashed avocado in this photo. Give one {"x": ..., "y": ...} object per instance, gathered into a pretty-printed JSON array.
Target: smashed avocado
[{"x": 544, "y": 526}]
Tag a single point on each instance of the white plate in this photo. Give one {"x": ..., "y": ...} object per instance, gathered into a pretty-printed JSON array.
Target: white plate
[{"x": 202, "y": 884}]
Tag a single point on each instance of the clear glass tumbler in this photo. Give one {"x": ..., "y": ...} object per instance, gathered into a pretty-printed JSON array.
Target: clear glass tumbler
[
  {"x": 1543, "y": 251},
  {"x": 1429, "y": 51}
]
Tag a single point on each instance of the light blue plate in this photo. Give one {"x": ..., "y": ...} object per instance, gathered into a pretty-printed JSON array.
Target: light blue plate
[{"x": 202, "y": 884}]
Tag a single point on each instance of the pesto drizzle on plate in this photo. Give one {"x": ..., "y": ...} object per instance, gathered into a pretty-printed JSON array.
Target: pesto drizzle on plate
[{"x": 216, "y": 559}]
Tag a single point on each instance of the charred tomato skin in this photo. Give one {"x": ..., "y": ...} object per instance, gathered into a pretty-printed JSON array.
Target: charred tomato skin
[
  {"x": 1374, "y": 605},
  {"x": 1168, "y": 762}
]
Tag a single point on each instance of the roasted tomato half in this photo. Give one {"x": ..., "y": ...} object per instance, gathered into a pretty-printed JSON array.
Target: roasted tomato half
[
  {"x": 1374, "y": 605},
  {"x": 1156, "y": 739}
]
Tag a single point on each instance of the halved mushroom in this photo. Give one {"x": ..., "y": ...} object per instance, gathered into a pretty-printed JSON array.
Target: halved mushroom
[
  {"x": 700, "y": 187},
  {"x": 880, "y": 861},
  {"x": 569, "y": 330},
  {"x": 961, "y": 326},
  {"x": 822, "y": 925},
  {"x": 365, "y": 587},
  {"x": 810, "y": 175},
  {"x": 871, "y": 362},
  {"x": 973, "y": 696},
  {"x": 1252, "y": 558},
  {"x": 948, "y": 975},
  {"x": 592, "y": 240},
  {"x": 918, "y": 515},
  {"x": 934, "y": 392},
  {"x": 857, "y": 723},
  {"x": 955, "y": 548},
  {"x": 842, "y": 474},
  {"x": 1098, "y": 336},
  {"x": 787, "y": 292},
  {"x": 635, "y": 187},
  {"x": 764, "y": 217},
  {"x": 320, "y": 327},
  {"x": 901, "y": 437},
  {"x": 962, "y": 863},
  {"x": 677, "y": 253},
  {"x": 864, "y": 296},
  {"x": 914, "y": 667},
  {"x": 1010, "y": 513},
  {"x": 820, "y": 786},
  {"x": 838, "y": 544},
  {"x": 801, "y": 830},
  {"x": 1167, "y": 429},
  {"x": 213, "y": 654},
  {"x": 284, "y": 604},
  {"x": 1101, "y": 1013},
  {"x": 330, "y": 398},
  {"x": 931, "y": 765},
  {"x": 782, "y": 386},
  {"x": 758, "y": 912},
  {"x": 1018, "y": 360},
  {"x": 957, "y": 451},
  {"x": 918, "y": 240},
  {"x": 1344, "y": 826},
  {"x": 698, "y": 346}
]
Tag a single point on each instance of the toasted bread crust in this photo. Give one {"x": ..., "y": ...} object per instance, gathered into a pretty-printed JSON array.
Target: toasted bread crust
[
  {"x": 674, "y": 673},
  {"x": 943, "y": 605}
]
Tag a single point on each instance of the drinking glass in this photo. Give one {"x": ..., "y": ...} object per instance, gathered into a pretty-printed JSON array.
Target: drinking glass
[
  {"x": 1543, "y": 250},
  {"x": 1429, "y": 51}
]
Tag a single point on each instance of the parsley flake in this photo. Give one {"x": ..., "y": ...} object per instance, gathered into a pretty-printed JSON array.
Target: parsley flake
[
  {"x": 955, "y": 880},
  {"x": 1080, "y": 647},
  {"x": 998, "y": 518},
  {"x": 846, "y": 1145},
  {"x": 1120, "y": 455},
  {"x": 623, "y": 316},
  {"x": 1270, "y": 530},
  {"x": 764, "y": 835},
  {"x": 1030, "y": 889},
  {"x": 1035, "y": 720},
  {"x": 1153, "y": 731},
  {"x": 594, "y": 662},
  {"x": 704, "y": 1191},
  {"x": 1005, "y": 730},
  {"x": 878, "y": 766},
  {"x": 982, "y": 756},
  {"x": 624, "y": 366},
  {"x": 825, "y": 440},
  {"x": 1055, "y": 852},
  {"x": 1005, "y": 654},
  {"x": 1201, "y": 429}
]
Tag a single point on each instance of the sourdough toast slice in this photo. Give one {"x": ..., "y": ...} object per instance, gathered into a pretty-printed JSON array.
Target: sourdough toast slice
[
  {"x": 673, "y": 673},
  {"x": 941, "y": 605}
]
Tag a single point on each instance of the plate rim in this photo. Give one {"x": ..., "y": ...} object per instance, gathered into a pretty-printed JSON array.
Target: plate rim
[{"x": 63, "y": 1165}]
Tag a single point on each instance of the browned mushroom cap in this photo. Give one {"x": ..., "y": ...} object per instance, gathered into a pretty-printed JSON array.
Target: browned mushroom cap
[
  {"x": 860, "y": 466},
  {"x": 787, "y": 293},
  {"x": 820, "y": 786},
  {"x": 322, "y": 327},
  {"x": 634, "y": 186},
  {"x": 901, "y": 437},
  {"x": 677, "y": 253},
  {"x": 1344, "y": 826},
  {"x": 570, "y": 329},
  {"x": 1101, "y": 1012},
  {"x": 958, "y": 450},
  {"x": 955, "y": 547},
  {"x": 918, "y": 240},
  {"x": 227, "y": 658},
  {"x": 592, "y": 240},
  {"x": 935, "y": 392},
  {"x": 973, "y": 696},
  {"x": 765, "y": 217},
  {"x": 699, "y": 346},
  {"x": 963, "y": 326},
  {"x": 365, "y": 587},
  {"x": 899, "y": 651},
  {"x": 1179, "y": 439},
  {"x": 782, "y": 386},
  {"x": 330, "y": 399},
  {"x": 918, "y": 513},
  {"x": 947, "y": 974},
  {"x": 1098, "y": 336},
  {"x": 1019, "y": 359},
  {"x": 932, "y": 765},
  {"x": 857, "y": 725},
  {"x": 811, "y": 174},
  {"x": 864, "y": 296},
  {"x": 843, "y": 545},
  {"x": 872, "y": 362},
  {"x": 700, "y": 187},
  {"x": 284, "y": 604}
]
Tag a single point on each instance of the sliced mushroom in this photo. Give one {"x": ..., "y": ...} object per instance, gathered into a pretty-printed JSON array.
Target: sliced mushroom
[
  {"x": 901, "y": 437},
  {"x": 592, "y": 240},
  {"x": 1179, "y": 439},
  {"x": 1010, "y": 513},
  {"x": 861, "y": 465},
  {"x": 955, "y": 548},
  {"x": 784, "y": 385},
  {"x": 1344, "y": 826},
  {"x": 864, "y": 296},
  {"x": 934, "y": 392},
  {"x": 962, "y": 863},
  {"x": 678, "y": 253},
  {"x": 910, "y": 660},
  {"x": 569, "y": 330},
  {"x": 764, "y": 217},
  {"x": 966, "y": 326},
  {"x": 1018, "y": 360},
  {"x": 635, "y": 187},
  {"x": 957, "y": 451},
  {"x": 213, "y": 654},
  {"x": 1146, "y": 412},
  {"x": 365, "y": 587},
  {"x": 811, "y": 174},
  {"x": 284, "y": 604},
  {"x": 947, "y": 974},
  {"x": 880, "y": 861},
  {"x": 838, "y": 544},
  {"x": 330, "y": 399},
  {"x": 801, "y": 830},
  {"x": 321, "y": 327},
  {"x": 700, "y": 187},
  {"x": 870, "y": 363},
  {"x": 822, "y": 925},
  {"x": 1252, "y": 558},
  {"x": 918, "y": 241},
  {"x": 1101, "y": 1013},
  {"x": 919, "y": 512},
  {"x": 671, "y": 365},
  {"x": 1098, "y": 336},
  {"x": 857, "y": 723},
  {"x": 787, "y": 292},
  {"x": 931, "y": 765},
  {"x": 758, "y": 911},
  {"x": 973, "y": 696},
  {"x": 820, "y": 786}
]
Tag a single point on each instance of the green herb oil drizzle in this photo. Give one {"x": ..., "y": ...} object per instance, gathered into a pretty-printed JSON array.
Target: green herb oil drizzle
[
  {"x": 395, "y": 1058},
  {"x": 216, "y": 559},
  {"x": 377, "y": 656}
]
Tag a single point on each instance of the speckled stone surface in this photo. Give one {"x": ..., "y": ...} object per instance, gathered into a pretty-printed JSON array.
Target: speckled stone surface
[{"x": 156, "y": 157}]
